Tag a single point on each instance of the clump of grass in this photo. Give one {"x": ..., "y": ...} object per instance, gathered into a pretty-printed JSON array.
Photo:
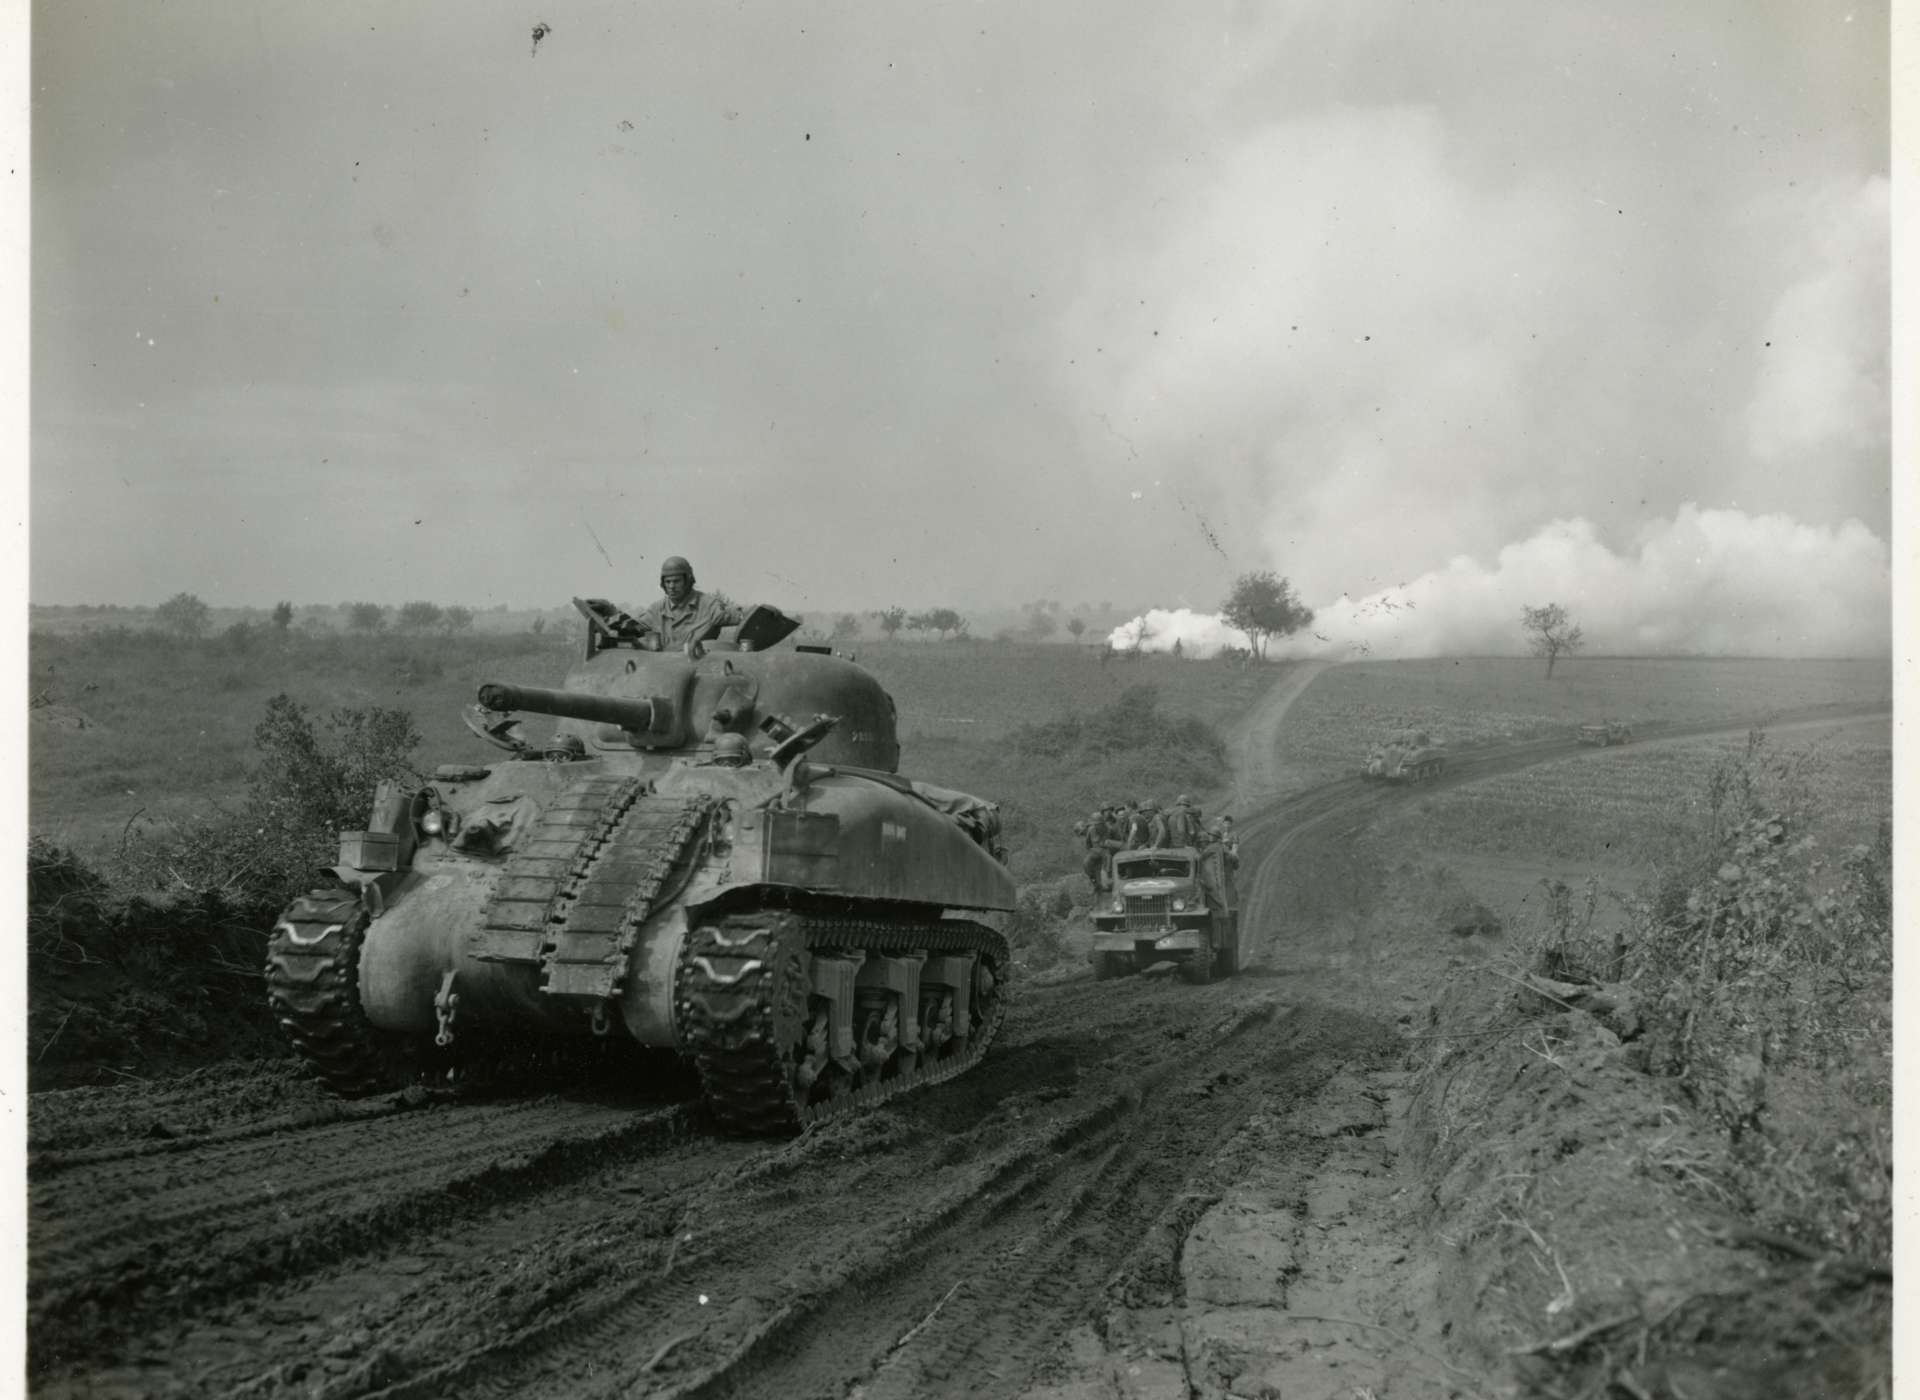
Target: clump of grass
[
  {"x": 310, "y": 782},
  {"x": 1037, "y": 928},
  {"x": 1131, "y": 723}
]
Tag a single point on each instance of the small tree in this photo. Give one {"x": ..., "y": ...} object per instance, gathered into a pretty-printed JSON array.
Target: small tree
[
  {"x": 318, "y": 784},
  {"x": 1041, "y": 623},
  {"x": 282, "y": 616},
  {"x": 420, "y": 617},
  {"x": 456, "y": 618},
  {"x": 1075, "y": 626},
  {"x": 366, "y": 617},
  {"x": 1138, "y": 635},
  {"x": 184, "y": 615},
  {"x": 940, "y": 621},
  {"x": 1263, "y": 605},
  {"x": 846, "y": 625},
  {"x": 891, "y": 620},
  {"x": 1550, "y": 633}
]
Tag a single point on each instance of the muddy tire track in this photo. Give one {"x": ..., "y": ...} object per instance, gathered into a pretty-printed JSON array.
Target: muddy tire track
[{"x": 124, "y": 1242}]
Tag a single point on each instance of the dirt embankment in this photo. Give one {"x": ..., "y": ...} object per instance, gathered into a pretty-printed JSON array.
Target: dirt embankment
[{"x": 1257, "y": 1188}]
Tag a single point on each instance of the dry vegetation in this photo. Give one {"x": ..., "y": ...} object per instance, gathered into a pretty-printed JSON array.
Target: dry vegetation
[{"x": 1658, "y": 1121}]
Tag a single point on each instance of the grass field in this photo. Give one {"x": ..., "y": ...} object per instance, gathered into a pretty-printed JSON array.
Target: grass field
[
  {"x": 169, "y": 725},
  {"x": 1629, "y": 806},
  {"x": 1467, "y": 701}
]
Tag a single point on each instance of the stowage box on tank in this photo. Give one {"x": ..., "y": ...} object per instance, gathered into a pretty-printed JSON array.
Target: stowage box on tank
[{"x": 711, "y": 852}]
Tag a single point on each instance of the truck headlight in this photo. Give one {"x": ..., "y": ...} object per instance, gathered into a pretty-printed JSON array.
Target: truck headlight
[
  {"x": 1119, "y": 905},
  {"x": 1179, "y": 904},
  {"x": 433, "y": 823}
]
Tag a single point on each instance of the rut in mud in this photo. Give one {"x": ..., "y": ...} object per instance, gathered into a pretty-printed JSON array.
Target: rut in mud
[
  {"x": 566, "y": 1248},
  {"x": 237, "y": 1232}
]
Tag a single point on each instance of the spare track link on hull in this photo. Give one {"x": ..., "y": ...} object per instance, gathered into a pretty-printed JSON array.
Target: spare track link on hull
[
  {"x": 741, "y": 995},
  {"x": 313, "y": 986},
  {"x": 592, "y": 930}
]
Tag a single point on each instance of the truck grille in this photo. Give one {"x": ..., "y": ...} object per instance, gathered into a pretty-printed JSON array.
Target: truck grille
[{"x": 1147, "y": 911}]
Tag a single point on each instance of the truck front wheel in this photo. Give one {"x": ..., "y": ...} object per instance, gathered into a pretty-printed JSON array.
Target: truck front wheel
[{"x": 1198, "y": 967}]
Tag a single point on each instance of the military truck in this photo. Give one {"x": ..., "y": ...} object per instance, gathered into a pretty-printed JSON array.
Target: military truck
[
  {"x": 712, "y": 854},
  {"x": 1405, "y": 756},
  {"x": 1175, "y": 904},
  {"x": 1606, "y": 734}
]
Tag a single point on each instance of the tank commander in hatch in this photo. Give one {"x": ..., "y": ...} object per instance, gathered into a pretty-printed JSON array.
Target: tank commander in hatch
[{"x": 685, "y": 614}]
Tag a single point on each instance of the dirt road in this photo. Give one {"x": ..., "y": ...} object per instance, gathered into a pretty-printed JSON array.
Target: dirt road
[{"x": 1146, "y": 1189}]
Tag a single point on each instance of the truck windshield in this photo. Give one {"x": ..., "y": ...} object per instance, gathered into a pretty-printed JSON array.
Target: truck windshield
[{"x": 1152, "y": 867}]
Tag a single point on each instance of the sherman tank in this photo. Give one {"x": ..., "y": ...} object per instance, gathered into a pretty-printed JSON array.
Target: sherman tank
[
  {"x": 711, "y": 853},
  {"x": 1405, "y": 756}
]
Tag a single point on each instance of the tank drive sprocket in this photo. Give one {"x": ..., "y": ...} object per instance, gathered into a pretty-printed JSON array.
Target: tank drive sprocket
[{"x": 313, "y": 987}]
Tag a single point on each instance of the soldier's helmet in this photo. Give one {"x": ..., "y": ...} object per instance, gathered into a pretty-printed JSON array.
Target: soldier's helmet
[
  {"x": 731, "y": 751},
  {"x": 674, "y": 564},
  {"x": 563, "y": 748},
  {"x": 1183, "y": 801}
]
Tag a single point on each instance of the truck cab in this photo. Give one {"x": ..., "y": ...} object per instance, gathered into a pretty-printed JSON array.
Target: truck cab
[{"x": 1173, "y": 904}]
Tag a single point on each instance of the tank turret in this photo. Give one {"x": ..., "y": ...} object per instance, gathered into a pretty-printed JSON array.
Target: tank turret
[{"x": 713, "y": 854}]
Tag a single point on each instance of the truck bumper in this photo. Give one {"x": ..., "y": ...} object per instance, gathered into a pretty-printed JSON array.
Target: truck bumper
[{"x": 1173, "y": 940}]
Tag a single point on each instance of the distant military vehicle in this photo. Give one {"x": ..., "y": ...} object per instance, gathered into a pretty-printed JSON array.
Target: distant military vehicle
[
  {"x": 1406, "y": 756},
  {"x": 713, "y": 854},
  {"x": 1606, "y": 734},
  {"x": 1178, "y": 904}
]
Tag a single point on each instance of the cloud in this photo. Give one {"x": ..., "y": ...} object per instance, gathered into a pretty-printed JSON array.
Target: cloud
[
  {"x": 1706, "y": 582},
  {"x": 1822, "y": 388}
]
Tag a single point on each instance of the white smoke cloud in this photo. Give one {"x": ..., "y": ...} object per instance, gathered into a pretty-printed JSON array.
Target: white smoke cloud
[
  {"x": 1199, "y": 634},
  {"x": 1821, "y": 389},
  {"x": 1708, "y": 582},
  {"x": 1360, "y": 352}
]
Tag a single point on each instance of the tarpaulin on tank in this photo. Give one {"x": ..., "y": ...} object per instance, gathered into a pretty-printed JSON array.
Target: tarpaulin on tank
[{"x": 980, "y": 818}]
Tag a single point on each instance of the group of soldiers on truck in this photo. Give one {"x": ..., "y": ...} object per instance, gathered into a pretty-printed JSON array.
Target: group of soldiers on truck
[{"x": 1144, "y": 825}]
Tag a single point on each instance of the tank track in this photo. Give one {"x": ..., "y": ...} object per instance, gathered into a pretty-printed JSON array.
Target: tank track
[
  {"x": 740, "y": 1002},
  {"x": 594, "y": 925},
  {"x": 313, "y": 987}
]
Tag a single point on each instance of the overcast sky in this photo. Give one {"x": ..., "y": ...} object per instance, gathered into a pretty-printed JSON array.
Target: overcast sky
[{"x": 948, "y": 302}]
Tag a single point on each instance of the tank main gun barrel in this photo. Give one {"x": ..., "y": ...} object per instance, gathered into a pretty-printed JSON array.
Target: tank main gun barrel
[{"x": 640, "y": 714}]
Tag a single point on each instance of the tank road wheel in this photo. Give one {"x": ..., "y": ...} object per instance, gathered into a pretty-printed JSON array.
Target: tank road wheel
[
  {"x": 313, "y": 987},
  {"x": 749, "y": 1010},
  {"x": 877, "y": 1036}
]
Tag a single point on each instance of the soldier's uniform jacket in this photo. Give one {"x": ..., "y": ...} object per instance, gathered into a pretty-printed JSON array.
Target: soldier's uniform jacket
[
  {"x": 699, "y": 618},
  {"x": 1181, "y": 827}
]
